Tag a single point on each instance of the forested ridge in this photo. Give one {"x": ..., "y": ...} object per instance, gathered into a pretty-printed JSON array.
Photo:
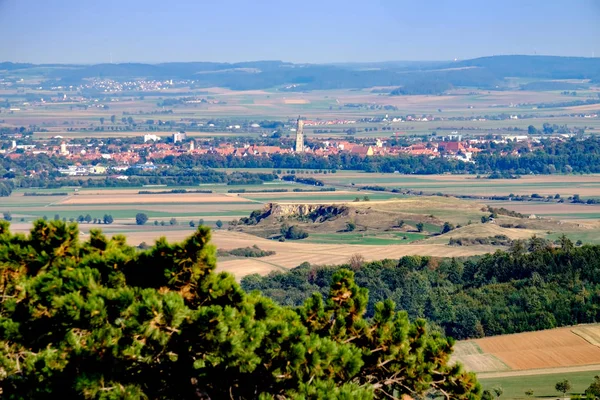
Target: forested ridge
[
  {"x": 532, "y": 286},
  {"x": 101, "y": 320}
]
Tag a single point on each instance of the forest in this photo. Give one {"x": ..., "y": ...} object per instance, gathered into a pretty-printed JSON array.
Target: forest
[{"x": 532, "y": 286}]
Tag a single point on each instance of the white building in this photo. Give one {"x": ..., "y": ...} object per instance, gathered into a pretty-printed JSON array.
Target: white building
[
  {"x": 179, "y": 137},
  {"x": 150, "y": 137}
]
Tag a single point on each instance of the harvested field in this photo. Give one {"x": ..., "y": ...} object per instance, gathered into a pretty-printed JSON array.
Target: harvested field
[
  {"x": 472, "y": 357},
  {"x": 290, "y": 254},
  {"x": 544, "y": 349},
  {"x": 551, "y": 209},
  {"x": 478, "y": 230},
  {"x": 590, "y": 333},
  {"x": 108, "y": 198},
  {"x": 483, "y": 363}
]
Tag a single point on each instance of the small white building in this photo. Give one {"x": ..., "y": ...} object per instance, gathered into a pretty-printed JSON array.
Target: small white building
[
  {"x": 150, "y": 137},
  {"x": 179, "y": 137}
]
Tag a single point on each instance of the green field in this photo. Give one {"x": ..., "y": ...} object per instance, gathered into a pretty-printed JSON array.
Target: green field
[
  {"x": 364, "y": 238},
  {"x": 542, "y": 385}
]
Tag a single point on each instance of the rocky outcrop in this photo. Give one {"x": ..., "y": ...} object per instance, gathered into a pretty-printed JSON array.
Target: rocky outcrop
[{"x": 313, "y": 212}]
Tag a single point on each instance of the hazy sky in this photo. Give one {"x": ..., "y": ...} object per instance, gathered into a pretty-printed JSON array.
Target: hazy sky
[{"x": 89, "y": 31}]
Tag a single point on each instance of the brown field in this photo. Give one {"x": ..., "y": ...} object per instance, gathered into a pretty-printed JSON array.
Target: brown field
[
  {"x": 110, "y": 198},
  {"x": 544, "y": 349},
  {"x": 296, "y": 101}
]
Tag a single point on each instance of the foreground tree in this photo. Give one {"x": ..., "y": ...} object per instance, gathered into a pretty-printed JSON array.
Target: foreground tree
[{"x": 102, "y": 320}]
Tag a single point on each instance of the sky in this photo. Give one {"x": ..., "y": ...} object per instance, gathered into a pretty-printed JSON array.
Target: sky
[{"x": 305, "y": 31}]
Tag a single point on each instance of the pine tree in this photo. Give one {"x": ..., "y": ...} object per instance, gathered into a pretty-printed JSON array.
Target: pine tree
[{"x": 102, "y": 320}]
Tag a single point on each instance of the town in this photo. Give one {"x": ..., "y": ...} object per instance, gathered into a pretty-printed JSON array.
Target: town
[{"x": 100, "y": 157}]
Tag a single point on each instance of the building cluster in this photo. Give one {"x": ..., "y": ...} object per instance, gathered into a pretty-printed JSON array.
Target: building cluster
[
  {"x": 89, "y": 158},
  {"x": 113, "y": 86}
]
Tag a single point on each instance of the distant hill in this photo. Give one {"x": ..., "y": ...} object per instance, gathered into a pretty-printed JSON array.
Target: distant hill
[
  {"x": 408, "y": 77},
  {"x": 537, "y": 66}
]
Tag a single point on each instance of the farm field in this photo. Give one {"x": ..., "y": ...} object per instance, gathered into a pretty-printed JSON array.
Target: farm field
[
  {"x": 288, "y": 255},
  {"x": 328, "y": 104},
  {"x": 587, "y": 186},
  {"x": 323, "y": 246},
  {"x": 534, "y": 360},
  {"x": 542, "y": 385},
  {"x": 554, "y": 348},
  {"x": 565, "y": 185}
]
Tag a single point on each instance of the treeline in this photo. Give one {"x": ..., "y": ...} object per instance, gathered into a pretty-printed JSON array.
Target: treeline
[
  {"x": 303, "y": 180},
  {"x": 165, "y": 177},
  {"x": 33, "y": 194},
  {"x": 532, "y": 286}
]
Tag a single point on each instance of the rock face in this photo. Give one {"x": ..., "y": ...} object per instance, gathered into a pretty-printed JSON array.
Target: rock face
[{"x": 314, "y": 212}]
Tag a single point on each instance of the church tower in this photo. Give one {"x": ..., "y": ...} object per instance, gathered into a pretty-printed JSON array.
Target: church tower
[{"x": 299, "y": 135}]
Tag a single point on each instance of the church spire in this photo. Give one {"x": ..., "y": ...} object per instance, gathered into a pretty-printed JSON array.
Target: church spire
[{"x": 299, "y": 135}]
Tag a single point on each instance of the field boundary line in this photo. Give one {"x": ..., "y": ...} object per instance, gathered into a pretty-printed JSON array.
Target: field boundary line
[
  {"x": 543, "y": 371},
  {"x": 281, "y": 267},
  {"x": 579, "y": 330}
]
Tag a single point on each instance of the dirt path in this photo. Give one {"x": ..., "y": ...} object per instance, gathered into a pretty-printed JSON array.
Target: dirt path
[{"x": 529, "y": 372}]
